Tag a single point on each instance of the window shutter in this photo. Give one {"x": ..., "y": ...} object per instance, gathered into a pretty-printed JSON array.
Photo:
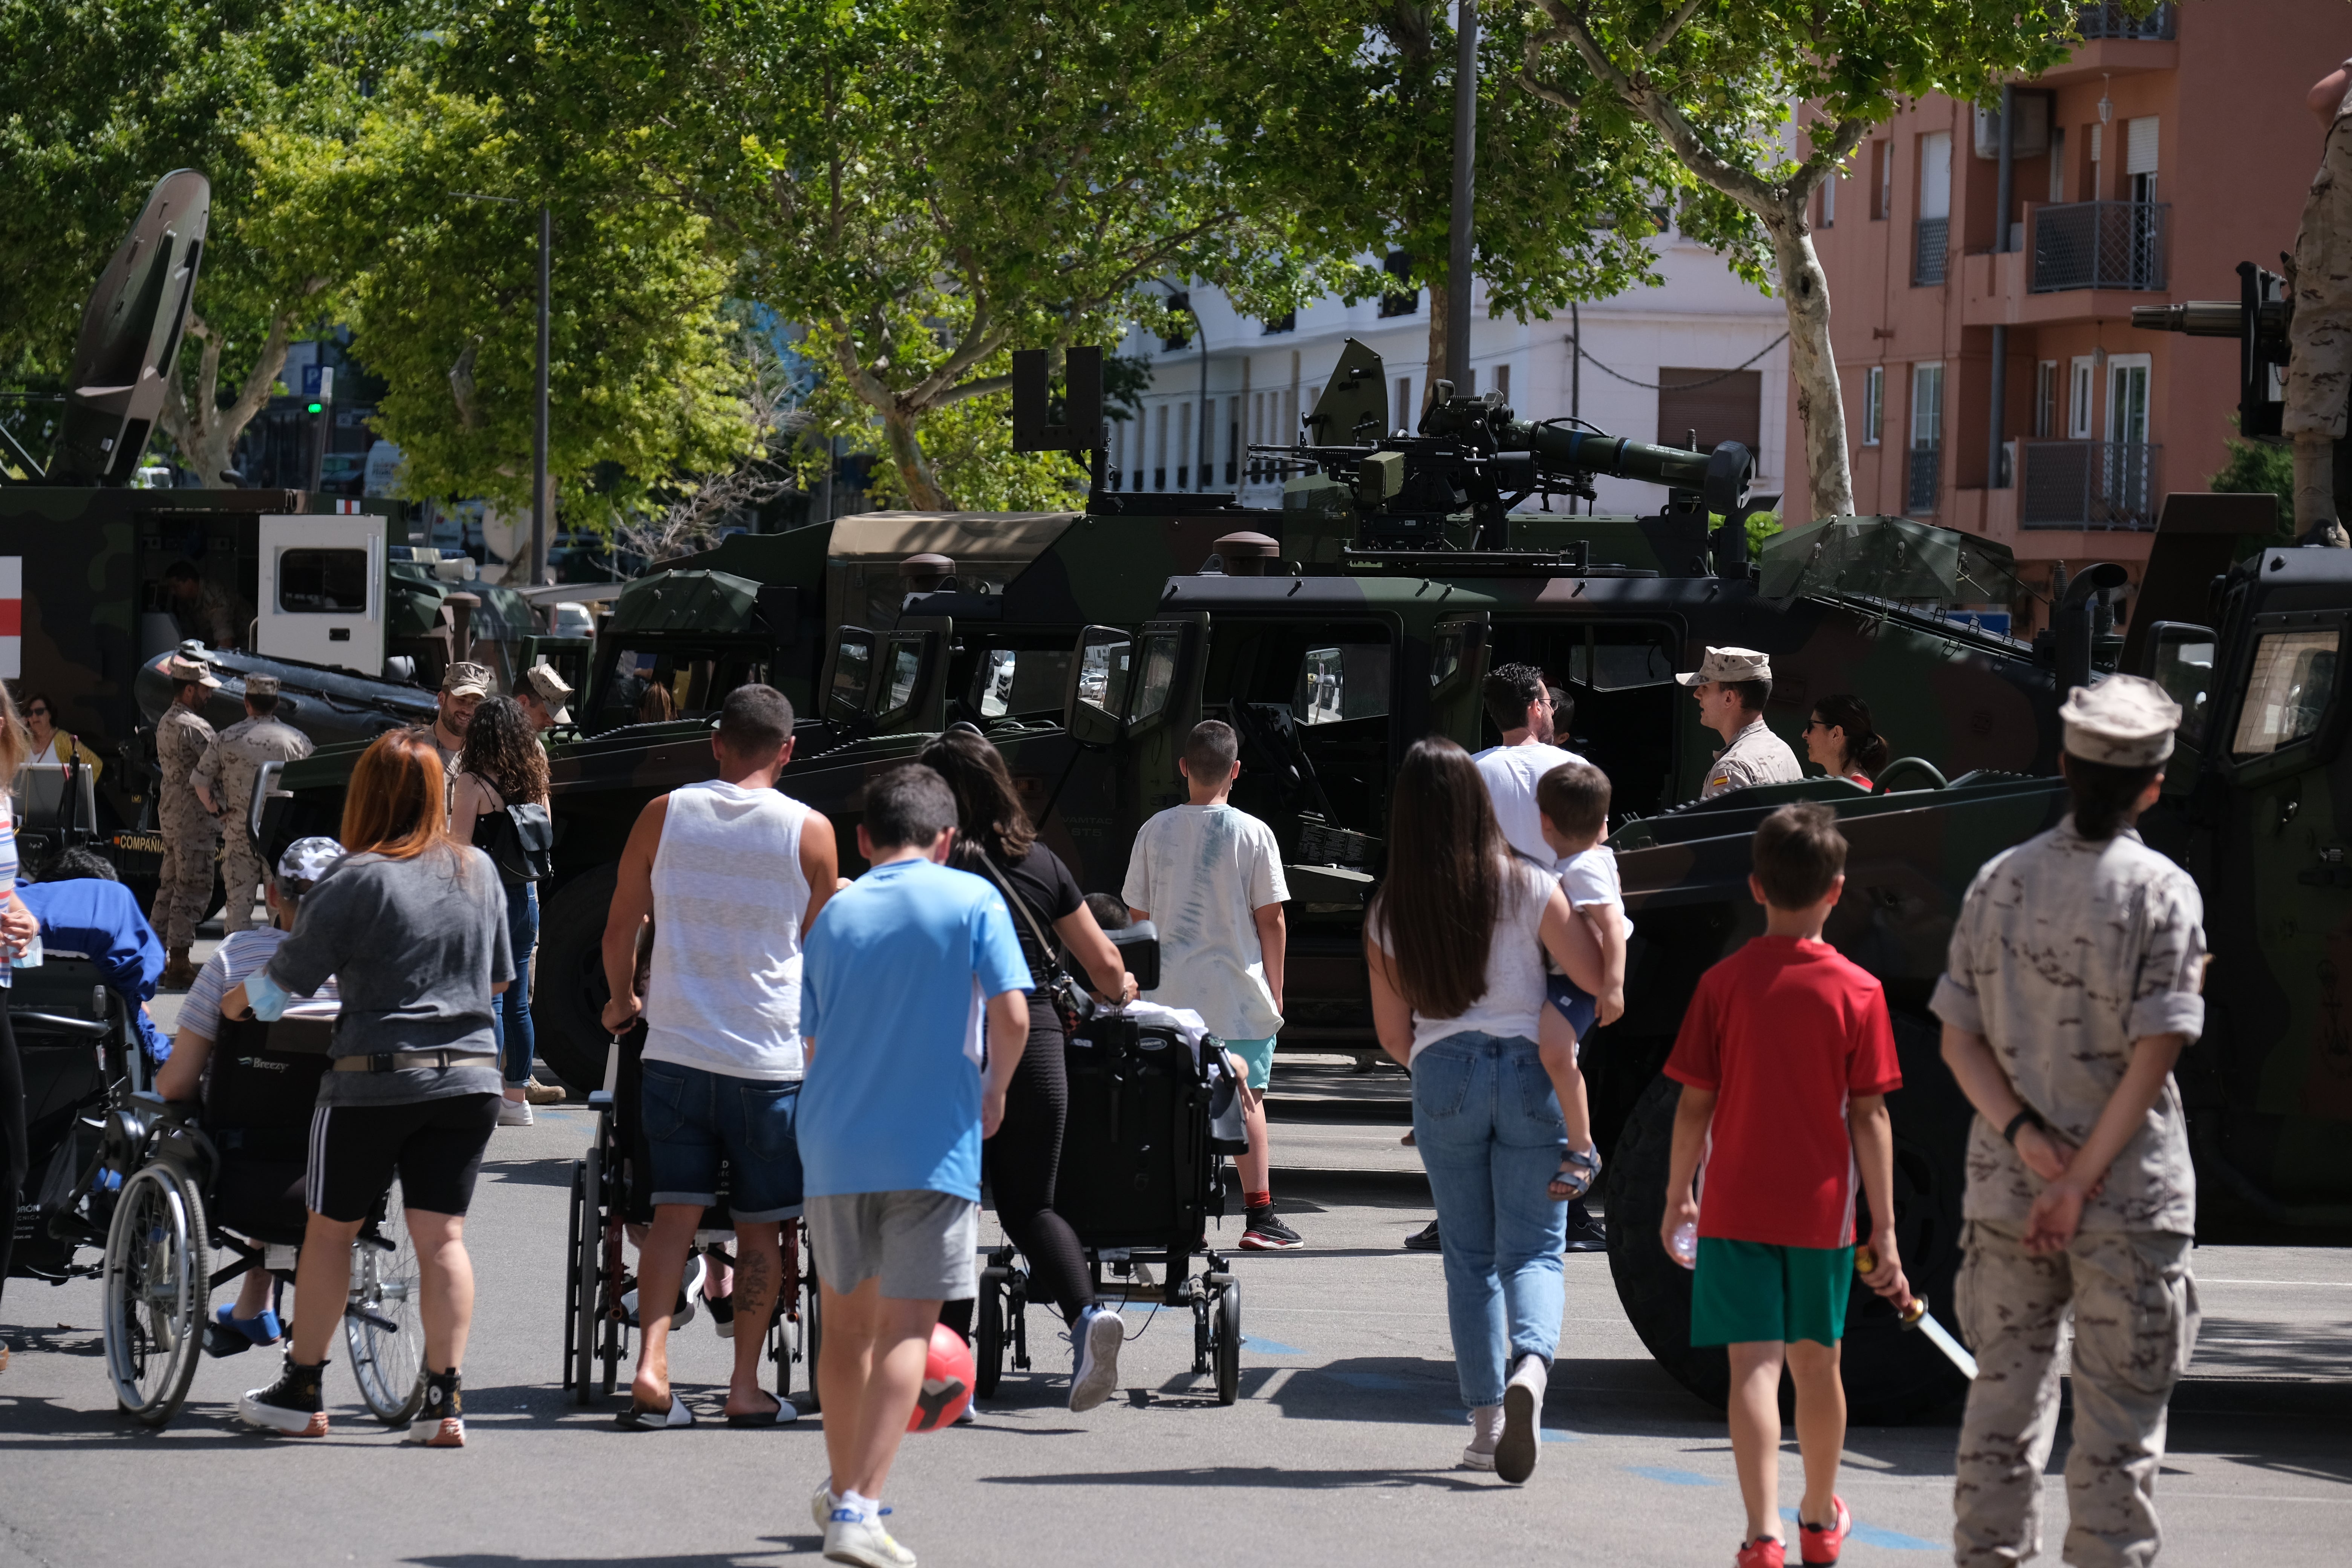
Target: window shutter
[{"x": 2139, "y": 146}]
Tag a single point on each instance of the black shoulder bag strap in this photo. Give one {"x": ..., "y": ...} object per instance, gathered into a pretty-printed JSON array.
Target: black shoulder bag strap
[{"x": 1059, "y": 984}]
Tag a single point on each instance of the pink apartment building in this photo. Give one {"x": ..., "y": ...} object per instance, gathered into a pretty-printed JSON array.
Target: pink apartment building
[{"x": 2001, "y": 388}]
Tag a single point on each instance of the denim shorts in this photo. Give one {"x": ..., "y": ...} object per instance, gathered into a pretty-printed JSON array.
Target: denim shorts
[{"x": 693, "y": 1116}]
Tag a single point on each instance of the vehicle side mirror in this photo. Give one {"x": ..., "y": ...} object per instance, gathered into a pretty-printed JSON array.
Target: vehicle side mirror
[
  {"x": 1098, "y": 694},
  {"x": 2179, "y": 658}
]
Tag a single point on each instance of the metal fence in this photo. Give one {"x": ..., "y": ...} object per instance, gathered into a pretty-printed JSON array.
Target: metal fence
[
  {"x": 2088, "y": 484},
  {"x": 1926, "y": 465},
  {"x": 1933, "y": 238},
  {"x": 2100, "y": 245},
  {"x": 2115, "y": 22}
]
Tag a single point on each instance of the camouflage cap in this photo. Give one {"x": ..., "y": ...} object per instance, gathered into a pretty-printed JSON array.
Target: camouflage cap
[
  {"x": 261, "y": 686},
  {"x": 2125, "y": 721},
  {"x": 1729, "y": 664},
  {"x": 306, "y": 860},
  {"x": 468, "y": 680},
  {"x": 551, "y": 690},
  {"x": 180, "y": 667}
]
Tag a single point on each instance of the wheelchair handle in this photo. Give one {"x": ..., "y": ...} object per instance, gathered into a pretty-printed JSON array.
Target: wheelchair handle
[{"x": 63, "y": 1025}]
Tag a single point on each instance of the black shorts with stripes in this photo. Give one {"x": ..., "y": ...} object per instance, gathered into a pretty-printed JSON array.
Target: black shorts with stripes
[{"x": 435, "y": 1146}]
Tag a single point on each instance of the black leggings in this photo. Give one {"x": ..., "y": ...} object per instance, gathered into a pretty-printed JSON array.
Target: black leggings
[
  {"x": 13, "y": 1153},
  {"x": 1022, "y": 1160}
]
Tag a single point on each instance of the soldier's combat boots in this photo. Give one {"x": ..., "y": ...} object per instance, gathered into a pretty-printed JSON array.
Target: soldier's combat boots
[{"x": 179, "y": 973}]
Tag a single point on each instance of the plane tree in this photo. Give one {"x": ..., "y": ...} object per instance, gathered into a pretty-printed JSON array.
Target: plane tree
[{"x": 1759, "y": 101}]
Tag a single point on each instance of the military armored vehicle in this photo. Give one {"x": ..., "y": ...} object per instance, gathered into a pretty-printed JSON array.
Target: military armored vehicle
[{"x": 324, "y": 592}]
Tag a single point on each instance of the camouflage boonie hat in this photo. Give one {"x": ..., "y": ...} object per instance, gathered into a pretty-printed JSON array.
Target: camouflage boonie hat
[
  {"x": 551, "y": 690},
  {"x": 1729, "y": 664},
  {"x": 180, "y": 667},
  {"x": 2125, "y": 721},
  {"x": 468, "y": 680},
  {"x": 261, "y": 686}
]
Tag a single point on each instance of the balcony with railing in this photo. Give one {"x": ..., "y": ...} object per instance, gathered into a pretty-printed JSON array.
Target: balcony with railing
[
  {"x": 2092, "y": 485},
  {"x": 1926, "y": 467},
  {"x": 2115, "y": 22},
  {"x": 1931, "y": 245},
  {"x": 2100, "y": 245}
]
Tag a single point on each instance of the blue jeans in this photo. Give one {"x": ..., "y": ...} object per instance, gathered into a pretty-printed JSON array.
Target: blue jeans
[
  {"x": 1490, "y": 1131},
  {"x": 510, "y": 1008}
]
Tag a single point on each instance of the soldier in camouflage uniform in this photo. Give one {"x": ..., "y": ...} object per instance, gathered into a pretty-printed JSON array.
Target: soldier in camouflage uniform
[
  {"x": 2319, "y": 357},
  {"x": 2071, "y": 986},
  {"x": 1731, "y": 686},
  {"x": 224, "y": 782},
  {"x": 202, "y": 608},
  {"x": 190, "y": 833}
]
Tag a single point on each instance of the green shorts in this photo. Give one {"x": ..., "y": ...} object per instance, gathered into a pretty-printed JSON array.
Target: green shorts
[
  {"x": 1753, "y": 1290},
  {"x": 1257, "y": 1055}
]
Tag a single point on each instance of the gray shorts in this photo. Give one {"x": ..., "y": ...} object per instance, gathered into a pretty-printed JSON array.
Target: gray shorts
[{"x": 918, "y": 1244}]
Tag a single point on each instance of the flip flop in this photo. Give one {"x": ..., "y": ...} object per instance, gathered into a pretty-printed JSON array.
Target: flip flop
[
  {"x": 785, "y": 1413},
  {"x": 637, "y": 1418}
]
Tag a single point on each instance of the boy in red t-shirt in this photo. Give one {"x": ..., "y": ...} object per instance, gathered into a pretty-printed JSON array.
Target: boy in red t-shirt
[{"x": 1785, "y": 1059}]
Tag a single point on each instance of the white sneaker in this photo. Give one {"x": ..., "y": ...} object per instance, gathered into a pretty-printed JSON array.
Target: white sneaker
[
  {"x": 1486, "y": 1431},
  {"x": 1523, "y": 1397},
  {"x": 849, "y": 1538},
  {"x": 514, "y": 1112},
  {"x": 1094, "y": 1375}
]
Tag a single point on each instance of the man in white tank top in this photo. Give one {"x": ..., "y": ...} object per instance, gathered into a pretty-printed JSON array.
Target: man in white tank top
[{"x": 732, "y": 873}]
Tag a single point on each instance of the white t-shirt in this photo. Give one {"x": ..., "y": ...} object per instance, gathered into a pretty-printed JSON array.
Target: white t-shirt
[
  {"x": 1203, "y": 872},
  {"x": 1512, "y": 1005},
  {"x": 1590, "y": 878},
  {"x": 1511, "y": 772}
]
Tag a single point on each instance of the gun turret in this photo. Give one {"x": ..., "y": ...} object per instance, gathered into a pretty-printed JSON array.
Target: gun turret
[
  {"x": 1472, "y": 456},
  {"x": 2259, "y": 317}
]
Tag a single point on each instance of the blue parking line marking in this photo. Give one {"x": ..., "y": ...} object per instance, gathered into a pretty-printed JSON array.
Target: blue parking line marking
[
  {"x": 1561, "y": 1435},
  {"x": 1269, "y": 1347},
  {"x": 1672, "y": 1478},
  {"x": 1873, "y": 1535}
]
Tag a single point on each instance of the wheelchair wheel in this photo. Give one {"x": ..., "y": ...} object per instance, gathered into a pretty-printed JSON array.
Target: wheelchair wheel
[
  {"x": 383, "y": 1325},
  {"x": 988, "y": 1335},
  {"x": 158, "y": 1292},
  {"x": 811, "y": 1336},
  {"x": 584, "y": 1287},
  {"x": 1229, "y": 1342}
]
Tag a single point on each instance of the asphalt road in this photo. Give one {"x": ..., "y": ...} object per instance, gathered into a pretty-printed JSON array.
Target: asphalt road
[{"x": 1341, "y": 1450}]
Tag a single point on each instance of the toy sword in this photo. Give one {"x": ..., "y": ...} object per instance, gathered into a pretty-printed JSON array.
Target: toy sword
[{"x": 1914, "y": 1314}]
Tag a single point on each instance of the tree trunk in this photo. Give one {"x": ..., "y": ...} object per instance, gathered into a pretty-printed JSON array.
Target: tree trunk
[
  {"x": 1434, "y": 371},
  {"x": 206, "y": 434},
  {"x": 1821, "y": 406},
  {"x": 923, "y": 491}
]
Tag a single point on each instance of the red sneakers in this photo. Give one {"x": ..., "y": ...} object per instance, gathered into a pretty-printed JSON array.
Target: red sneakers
[
  {"x": 1822, "y": 1543},
  {"x": 1764, "y": 1551}
]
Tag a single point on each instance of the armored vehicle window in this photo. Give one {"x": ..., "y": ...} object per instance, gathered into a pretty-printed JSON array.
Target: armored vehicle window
[
  {"x": 323, "y": 582},
  {"x": 1628, "y": 710},
  {"x": 1158, "y": 675},
  {"x": 2184, "y": 668},
  {"x": 1022, "y": 683},
  {"x": 1613, "y": 666},
  {"x": 853, "y": 673},
  {"x": 1445, "y": 656},
  {"x": 2293, "y": 677},
  {"x": 906, "y": 669},
  {"x": 1348, "y": 681}
]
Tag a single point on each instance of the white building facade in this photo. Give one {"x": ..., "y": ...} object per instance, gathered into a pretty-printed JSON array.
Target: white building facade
[{"x": 1703, "y": 336}]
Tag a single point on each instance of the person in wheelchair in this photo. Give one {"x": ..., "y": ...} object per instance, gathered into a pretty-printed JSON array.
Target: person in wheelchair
[
  {"x": 86, "y": 913},
  {"x": 252, "y": 1319},
  {"x": 413, "y": 927}
]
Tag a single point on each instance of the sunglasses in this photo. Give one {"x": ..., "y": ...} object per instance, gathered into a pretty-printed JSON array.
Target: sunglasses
[{"x": 37, "y": 712}]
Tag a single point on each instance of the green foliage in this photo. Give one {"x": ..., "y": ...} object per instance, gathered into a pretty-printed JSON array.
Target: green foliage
[
  {"x": 2256, "y": 466},
  {"x": 1761, "y": 527}
]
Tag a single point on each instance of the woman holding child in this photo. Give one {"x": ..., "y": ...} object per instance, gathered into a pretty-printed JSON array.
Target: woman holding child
[{"x": 1455, "y": 942}]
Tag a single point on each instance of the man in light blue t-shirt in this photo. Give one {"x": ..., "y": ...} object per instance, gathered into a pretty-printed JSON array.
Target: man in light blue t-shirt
[{"x": 897, "y": 975}]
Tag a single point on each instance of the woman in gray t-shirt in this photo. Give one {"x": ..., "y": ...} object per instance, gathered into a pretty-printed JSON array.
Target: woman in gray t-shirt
[{"x": 413, "y": 927}]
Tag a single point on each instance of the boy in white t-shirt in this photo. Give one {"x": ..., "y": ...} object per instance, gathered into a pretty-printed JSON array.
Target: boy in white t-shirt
[
  {"x": 1572, "y": 800},
  {"x": 1211, "y": 878}
]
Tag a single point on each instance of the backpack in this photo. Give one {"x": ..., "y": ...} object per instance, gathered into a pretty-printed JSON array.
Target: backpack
[{"x": 519, "y": 841}]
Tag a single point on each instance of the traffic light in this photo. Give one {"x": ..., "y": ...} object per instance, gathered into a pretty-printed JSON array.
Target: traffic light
[{"x": 317, "y": 409}]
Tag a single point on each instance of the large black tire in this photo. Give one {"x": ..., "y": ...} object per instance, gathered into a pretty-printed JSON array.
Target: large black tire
[
  {"x": 1891, "y": 1375},
  {"x": 569, "y": 993}
]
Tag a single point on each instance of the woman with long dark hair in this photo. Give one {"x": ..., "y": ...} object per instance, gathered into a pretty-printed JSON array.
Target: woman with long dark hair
[
  {"x": 504, "y": 765},
  {"x": 1455, "y": 940},
  {"x": 1840, "y": 740},
  {"x": 413, "y": 927},
  {"x": 995, "y": 841}
]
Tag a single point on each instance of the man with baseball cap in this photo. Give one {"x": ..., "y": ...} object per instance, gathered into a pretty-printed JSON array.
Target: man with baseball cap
[
  {"x": 1731, "y": 686},
  {"x": 463, "y": 686},
  {"x": 224, "y": 782},
  {"x": 2072, "y": 985},
  {"x": 544, "y": 695},
  {"x": 190, "y": 833}
]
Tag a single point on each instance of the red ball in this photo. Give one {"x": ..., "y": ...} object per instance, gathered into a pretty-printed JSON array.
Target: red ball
[{"x": 948, "y": 1373}]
